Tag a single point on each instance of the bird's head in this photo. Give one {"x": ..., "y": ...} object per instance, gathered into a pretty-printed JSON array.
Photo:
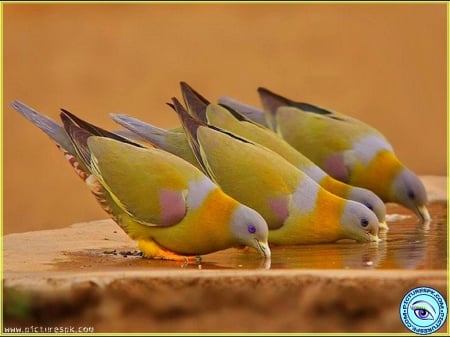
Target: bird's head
[
  {"x": 408, "y": 190},
  {"x": 372, "y": 202},
  {"x": 359, "y": 222},
  {"x": 250, "y": 229}
]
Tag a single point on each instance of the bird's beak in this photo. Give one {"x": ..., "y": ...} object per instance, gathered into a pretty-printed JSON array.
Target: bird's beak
[
  {"x": 263, "y": 248},
  {"x": 372, "y": 235},
  {"x": 423, "y": 214},
  {"x": 383, "y": 226},
  {"x": 266, "y": 263}
]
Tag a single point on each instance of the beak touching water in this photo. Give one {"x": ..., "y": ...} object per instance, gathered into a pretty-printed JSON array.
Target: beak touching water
[
  {"x": 372, "y": 235},
  {"x": 423, "y": 214},
  {"x": 263, "y": 248},
  {"x": 383, "y": 226}
]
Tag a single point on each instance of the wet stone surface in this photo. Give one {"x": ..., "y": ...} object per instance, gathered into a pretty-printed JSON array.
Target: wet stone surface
[
  {"x": 407, "y": 245},
  {"x": 90, "y": 275}
]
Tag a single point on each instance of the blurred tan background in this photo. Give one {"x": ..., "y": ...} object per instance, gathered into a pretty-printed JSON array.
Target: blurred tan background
[{"x": 382, "y": 63}]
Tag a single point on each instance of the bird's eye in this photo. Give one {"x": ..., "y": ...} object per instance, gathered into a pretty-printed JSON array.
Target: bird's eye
[
  {"x": 411, "y": 194},
  {"x": 369, "y": 206},
  {"x": 251, "y": 229},
  {"x": 364, "y": 222}
]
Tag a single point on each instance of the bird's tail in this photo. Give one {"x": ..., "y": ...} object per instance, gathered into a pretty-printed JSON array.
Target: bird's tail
[
  {"x": 71, "y": 139},
  {"x": 190, "y": 126},
  {"x": 55, "y": 131},
  {"x": 252, "y": 113},
  {"x": 272, "y": 101},
  {"x": 196, "y": 104},
  {"x": 139, "y": 130}
]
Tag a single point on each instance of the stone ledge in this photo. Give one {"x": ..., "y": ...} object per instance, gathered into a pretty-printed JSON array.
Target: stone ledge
[{"x": 45, "y": 285}]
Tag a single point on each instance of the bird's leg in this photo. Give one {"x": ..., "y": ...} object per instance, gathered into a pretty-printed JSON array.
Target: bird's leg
[{"x": 152, "y": 250}]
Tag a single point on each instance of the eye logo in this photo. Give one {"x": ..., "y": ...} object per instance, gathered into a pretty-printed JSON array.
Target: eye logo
[{"x": 423, "y": 310}]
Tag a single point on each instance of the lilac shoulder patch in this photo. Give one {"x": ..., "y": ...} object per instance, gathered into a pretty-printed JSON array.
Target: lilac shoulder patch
[
  {"x": 280, "y": 208},
  {"x": 335, "y": 167},
  {"x": 173, "y": 206}
]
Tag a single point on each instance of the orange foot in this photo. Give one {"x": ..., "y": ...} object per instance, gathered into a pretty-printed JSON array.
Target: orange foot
[{"x": 152, "y": 250}]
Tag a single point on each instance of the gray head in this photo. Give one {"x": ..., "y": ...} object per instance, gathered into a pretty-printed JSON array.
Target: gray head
[
  {"x": 250, "y": 229},
  {"x": 408, "y": 190},
  {"x": 371, "y": 201},
  {"x": 359, "y": 222}
]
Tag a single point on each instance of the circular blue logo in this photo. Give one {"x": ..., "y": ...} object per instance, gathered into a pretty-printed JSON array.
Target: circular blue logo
[{"x": 423, "y": 310}]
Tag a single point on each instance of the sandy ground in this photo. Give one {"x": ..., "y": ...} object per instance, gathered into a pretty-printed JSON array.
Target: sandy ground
[
  {"x": 222, "y": 301},
  {"x": 79, "y": 277}
]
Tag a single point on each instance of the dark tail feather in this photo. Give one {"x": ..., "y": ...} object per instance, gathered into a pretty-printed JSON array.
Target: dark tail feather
[
  {"x": 190, "y": 126},
  {"x": 272, "y": 102},
  {"x": 236, "y": 114},
  {"x": 196, "y": 103},
  {"x": 251, "y": 113},
  {"x": 79, "y": 138},
  {"x": 95, "y": 130}
]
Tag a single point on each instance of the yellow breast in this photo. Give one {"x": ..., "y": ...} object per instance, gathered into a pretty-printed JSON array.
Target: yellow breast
[
  {"x": 202, "y": 230},
  {"x": 378, "y": 175}
]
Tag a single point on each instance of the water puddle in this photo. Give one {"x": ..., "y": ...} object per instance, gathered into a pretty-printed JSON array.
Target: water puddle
[{"x": 406, "y": 245}]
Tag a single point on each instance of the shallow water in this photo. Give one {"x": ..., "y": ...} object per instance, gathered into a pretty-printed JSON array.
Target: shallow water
[{"x": 406, "y": 245}]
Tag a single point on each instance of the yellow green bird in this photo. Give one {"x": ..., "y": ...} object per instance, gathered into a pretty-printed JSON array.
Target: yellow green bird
[
  {"x": 170, "y": 207},
  {"x": 233, "y": 121},
  {"x": 172, "y": 141},
  {"x": 229, "y": 120},
  {"x": 346, "y": 148},
  {"x": 296, "y": 209}
]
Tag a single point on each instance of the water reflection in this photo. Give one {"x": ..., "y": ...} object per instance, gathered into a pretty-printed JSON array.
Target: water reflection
[
  {"x": 406, "y": 245},
  {"x": 418, "y": 246}
]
